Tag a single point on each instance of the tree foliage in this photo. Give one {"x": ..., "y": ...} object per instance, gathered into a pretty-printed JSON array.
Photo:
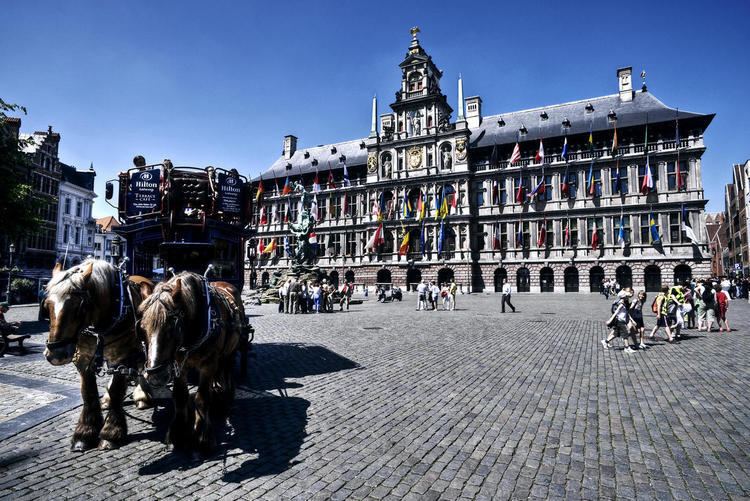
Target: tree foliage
[{"x": 18, "y": 206}]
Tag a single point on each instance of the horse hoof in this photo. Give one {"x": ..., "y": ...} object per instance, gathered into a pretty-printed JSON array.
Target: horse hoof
[
  {"x": 106, "y": 445},
  {"x": 78, "y": 446},
  {"x": 142, "y": 404}
]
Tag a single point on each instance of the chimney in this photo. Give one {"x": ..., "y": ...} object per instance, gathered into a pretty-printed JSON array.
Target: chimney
[
  {"x": 290, "y": 146},
  {"x": 625, "y": 81},
  {"x": 474, "y": 111}
]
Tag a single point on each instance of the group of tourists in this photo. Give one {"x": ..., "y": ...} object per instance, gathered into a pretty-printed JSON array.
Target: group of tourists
[
  {"x": 305, "y": 296},
  {"x": 429, "y": 295},
  {"x": 691, "y": 305}
]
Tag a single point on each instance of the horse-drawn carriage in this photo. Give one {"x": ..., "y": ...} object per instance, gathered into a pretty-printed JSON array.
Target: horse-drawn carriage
[{"x": 188, "y": 221}]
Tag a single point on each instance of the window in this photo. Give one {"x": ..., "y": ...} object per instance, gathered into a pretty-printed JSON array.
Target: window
[
  {"x": 79, "y": 208},
  {"x": 78, "y": 236},
  {"x": 480, "y": 237},
  {"x": 623, "y": 182},
  {"x": 66, "y": 234},
  {"x": 502, "y": 192},
  {"x": 547, "y": 195},
  {"x": 675, "y": 233},
  {"x": 107, "y": 245},
  {"x": 351, "y": 244},
  {"x": 573, "y": 232},
  {"x": 334, "y": 244},
  {"x": 504, "y": 235},
  {"x": 645, "y": 237},
  {"x": 67, "y": 206},
  {"x": 616, "y": 229},
  {"x": 597, "y": 181},
  {"x": 599, "y": 229},
  {"x": 549, "y": 233},
  {"x": 336, "y": 206},
  {"x": 525, "y": 183},
  {"x": 572, "y": 184},
  {"x": 480, "y": 194},
  {"x": 672, "y": 175}
]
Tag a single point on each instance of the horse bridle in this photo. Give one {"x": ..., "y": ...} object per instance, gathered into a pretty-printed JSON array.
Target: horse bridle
[
  {"x": 84, "y": 301},
  {"x": 176, "y": 318}
]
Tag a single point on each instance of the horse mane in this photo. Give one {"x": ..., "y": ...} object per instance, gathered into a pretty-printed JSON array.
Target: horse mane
[
  {"x": 101, "y": 281},
  {"x": 155, "y": 309}
]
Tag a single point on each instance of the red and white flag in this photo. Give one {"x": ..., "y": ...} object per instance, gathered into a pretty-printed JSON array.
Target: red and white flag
[
  {"x": 516, "y": 155},
  {"x": 376, "y": 239},
  {"x": 595, "y": 238},
  {"x": 540, "y": 154},
  {"x": 648, "y": 179}
]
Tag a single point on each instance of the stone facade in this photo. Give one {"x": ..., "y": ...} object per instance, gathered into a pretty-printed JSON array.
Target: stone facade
[
  {"x": 75, "y": 225},
  {"x": 523, "y": 192}
]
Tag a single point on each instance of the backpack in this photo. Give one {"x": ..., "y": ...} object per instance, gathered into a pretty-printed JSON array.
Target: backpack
[
  {"x": 654, "y": 306},
  {"x": 707, "y": 296}
]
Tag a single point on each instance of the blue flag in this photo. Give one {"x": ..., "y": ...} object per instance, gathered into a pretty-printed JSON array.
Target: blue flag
[
  {"x": 441, "y": 237},
  {"x": 653, "y": 229},
  {"x": 422, "y": 240},
  {"x": 621, "y": 234},
  {"x": 564, "y": 153}
]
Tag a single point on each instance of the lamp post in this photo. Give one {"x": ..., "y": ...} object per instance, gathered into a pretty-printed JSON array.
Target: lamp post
[
  {"x": 115, "y": 249},
  {"x": 11, "y": 251}
]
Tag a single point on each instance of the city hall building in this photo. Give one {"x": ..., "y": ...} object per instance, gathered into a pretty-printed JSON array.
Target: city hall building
[{"x": 553, "y": 199}]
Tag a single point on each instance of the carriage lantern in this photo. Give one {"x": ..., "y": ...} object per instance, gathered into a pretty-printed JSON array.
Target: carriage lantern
[{"x": 115, "y": 251}]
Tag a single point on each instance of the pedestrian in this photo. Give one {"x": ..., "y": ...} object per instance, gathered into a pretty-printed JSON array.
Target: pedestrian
[
  {"x": 507, "y": 291},
  {"x": 317, "y": 292},
  {"x": 434, "y": 295},
  {"x": 453, "y": 290},
  {"x": 346, "y": 296},
  {"x": 445, "y": 294},
  {"x": 659, "y": 306},
  {"x": 7, "y": 328},
  {"x": 699, "y": 304},
  {"x": 722, "y": 305},
  {"x": 709, "y": 299},
  {"x": 636, "y": 314},
  {"x": 675, "y": 308},
  {"x": 294, "y": 290},
  {"x": 620, "y": 323},
  {"x": 422, "y": 296},
  {"x": 688, "y": 308},
  {"x": 282, "y": 296}
]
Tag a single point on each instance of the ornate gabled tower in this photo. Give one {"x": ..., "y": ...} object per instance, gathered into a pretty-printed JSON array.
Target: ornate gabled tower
[{"x": 418, "y": 137}]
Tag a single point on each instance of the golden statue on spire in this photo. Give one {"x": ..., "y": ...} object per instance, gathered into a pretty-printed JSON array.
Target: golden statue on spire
[{"x": 414, "y": 32}]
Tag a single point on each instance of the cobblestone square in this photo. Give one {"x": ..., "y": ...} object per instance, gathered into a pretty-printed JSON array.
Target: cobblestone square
[{"x": 385, "y": 402}]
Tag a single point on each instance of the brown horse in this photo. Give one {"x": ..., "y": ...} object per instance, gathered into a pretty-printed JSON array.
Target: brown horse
[
  {"x": 190, "y": 324},
  {"x": 92, "y": 307}
]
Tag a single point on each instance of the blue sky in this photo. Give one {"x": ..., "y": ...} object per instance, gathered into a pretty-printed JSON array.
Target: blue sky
[{"x": 221, "y": 83}]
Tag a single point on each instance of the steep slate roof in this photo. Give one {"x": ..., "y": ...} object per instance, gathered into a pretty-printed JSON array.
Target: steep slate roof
[
  {"x": 643, "y": 106},
  {"x": 81, "y": 178},
  {"x": 350, "y": 149}
]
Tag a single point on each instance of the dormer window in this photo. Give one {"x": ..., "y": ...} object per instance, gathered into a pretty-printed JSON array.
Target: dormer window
[
  {"x": 543, "y": 115},
  {"x": 362, "y": 145},
  {"x": 501, "y": 122},
  {"x": 523, "y": 130},
  {"x": 612, "y": 116},
  {"x": 314, "y": 162},
  {"x": 589, "y": 108},
  {"x": 307, "y": 154},
  {"x": 333, "y": 150},
  {"x": 566, "y": 123},
  {"x": 342, "y": 159},
  {"x": 288, "y": 166}
]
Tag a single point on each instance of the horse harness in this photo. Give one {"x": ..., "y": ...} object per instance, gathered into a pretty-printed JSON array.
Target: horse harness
[{"x": 125, "y": 308}]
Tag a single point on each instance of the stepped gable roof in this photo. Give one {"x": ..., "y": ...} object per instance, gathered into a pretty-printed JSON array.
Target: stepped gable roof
[
  {"x": 629, "y": 113},
  {"x": 352, "y": 151},
  {"x": 83, "y": 179}
]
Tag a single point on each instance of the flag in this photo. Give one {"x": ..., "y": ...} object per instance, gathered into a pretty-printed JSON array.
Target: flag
[
  {"x": 261, "y": 247},
  {"x": 614, "y": 142},
  {"x": 441, "y": 204},
  {"x": 592, "y": 188},
  {"x": 331, "y": 183},
  {"x": 287, "y": 187},
  {"x": 347, "y": 183},
  {"x": 686, "y": 226},
  {"x": 381, "y": 206},
  {"x": 541, "y": 240},
  {"x": 496, "y": 238},
  {"x": 313, "y": 239},
  {"x": 591, "y": 138},
  {"x": 276, "y": 181},
  {"x": 287, "y": 247},
  {"x": 404, "y": 249},
  {"x": 288, "y": 211},
  {"x": 493, "y": 156},
  {"x": 648, "y": 179},
  {"x": 594, "y": 237},
  {"x": 314, "y": 209},
  {"x": 420, "y": 207},
  {"x": 566, "y": 237},
  {"x": 564, "y": 185},
  {"x": 376, "y": 239},
  {"x": 516, "y": 155},
  {"x": 519, "y": 191},
  {"x": 618, "y": 181},
  {"x": 275, "y": 213},
  {"x": 519, "y": 235},
  {"x": 270, "y": 247},
  {"x": 621, "y": 233},
  {"x": 454, "y": 198},
  {"x": 495, "y": 193},
  {"x": 538, "y": 189},
  {"x": 316, "y": 183},
  {"x": 678, "y": 172},
  {"x": 260, "y": 191},
  {"x": 564, "y": 154},
  {"x": 441, "y": 237},
  {"x": 653, "y": 229},
  {"x": 539, "y": 158},
  {"x": 376, "y": 211},
  {"x": 263, "y": 219},
  {"x": 407, "y": 206},
  {"x": 422, "y": 240}
]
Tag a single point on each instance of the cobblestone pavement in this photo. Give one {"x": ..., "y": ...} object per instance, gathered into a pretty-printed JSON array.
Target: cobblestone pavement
[{"x": 385, "y": 402}]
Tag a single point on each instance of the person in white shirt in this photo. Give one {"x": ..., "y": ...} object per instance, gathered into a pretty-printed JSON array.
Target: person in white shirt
[
  {"x": 434, "y": 295},
  {"x": 422, "y": 296},
  {"x": 506, "y": 296}
]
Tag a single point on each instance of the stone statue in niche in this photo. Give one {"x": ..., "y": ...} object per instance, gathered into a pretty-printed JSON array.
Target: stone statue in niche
[
  {"x": 417, "y": 124},
  {"x": 447, "y": 160},
  {"x": 387, "y": 167}
]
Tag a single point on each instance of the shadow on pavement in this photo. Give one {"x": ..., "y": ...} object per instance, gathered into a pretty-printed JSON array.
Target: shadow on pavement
[{"x": 270, "y": 427}]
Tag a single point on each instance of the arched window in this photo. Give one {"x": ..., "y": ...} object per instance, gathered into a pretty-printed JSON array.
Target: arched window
[
  {"x": 501, "y": 275},
  {"x": 334, "y": 278},
  {"x": 547, "y": 280},
  {"x": 652, "y": 278},
  {"x": 571, "y": 279},
  {"x": 596, "y": 277},
  {"x": 682, "y": 274},
  {"x": 523, "y": 280},
  {"x": 413, "y": 277},
  {"x": 383, "y": 276},
  {"x": 264, "y": 278},
  {"x": 624, "y": 276}
]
